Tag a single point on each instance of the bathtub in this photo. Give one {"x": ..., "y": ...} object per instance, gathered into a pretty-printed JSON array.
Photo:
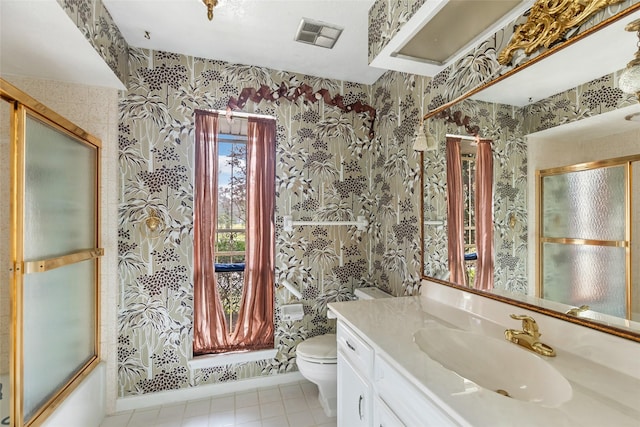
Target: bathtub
[{"x": 5, "y": 393}]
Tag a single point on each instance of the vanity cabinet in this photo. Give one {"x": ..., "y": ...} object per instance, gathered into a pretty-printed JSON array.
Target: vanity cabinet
[
  {"x": 407, "y": 403},
  {"x": 373, "y": 393},
  {"x": 383, "y": 416},
  {"x": 355, "y": 366}
]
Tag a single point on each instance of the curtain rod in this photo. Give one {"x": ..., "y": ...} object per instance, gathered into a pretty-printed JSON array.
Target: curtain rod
[
  {"x": 467, "y": 137},
  {"x": 242, "y": 114}
]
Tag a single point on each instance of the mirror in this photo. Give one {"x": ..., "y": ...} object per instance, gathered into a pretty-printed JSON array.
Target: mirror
[{"x": 563, "y": 109}]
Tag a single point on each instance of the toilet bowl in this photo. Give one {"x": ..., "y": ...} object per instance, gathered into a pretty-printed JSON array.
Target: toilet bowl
[{"x": 317, "y": 359}]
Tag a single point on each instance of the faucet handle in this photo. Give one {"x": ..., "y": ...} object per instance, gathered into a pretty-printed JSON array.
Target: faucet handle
[
  {"x": 577, "y": 310},
  {"x": 529, "y": 325}
]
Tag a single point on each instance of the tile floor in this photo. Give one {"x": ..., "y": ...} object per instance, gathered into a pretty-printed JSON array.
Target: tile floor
[{"x": 287, "y": 405}]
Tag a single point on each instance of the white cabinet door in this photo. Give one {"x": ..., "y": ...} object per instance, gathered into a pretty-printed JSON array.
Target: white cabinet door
[
  {"x": 383, "y": 416},
  {"x": 354, "y": 396}
]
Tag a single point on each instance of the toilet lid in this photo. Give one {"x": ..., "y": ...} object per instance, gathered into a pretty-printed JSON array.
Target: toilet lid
[{"x": 322, "y": 347}]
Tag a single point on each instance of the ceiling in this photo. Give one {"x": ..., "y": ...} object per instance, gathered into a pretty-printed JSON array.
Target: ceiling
[
  {"x": 253, "y": 32},
  {"x": 39, "y": 40},
  {"x": 261, "y": 32}
]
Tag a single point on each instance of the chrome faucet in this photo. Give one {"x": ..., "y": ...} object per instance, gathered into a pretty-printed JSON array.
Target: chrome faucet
[{"x": 528, "y": 337}]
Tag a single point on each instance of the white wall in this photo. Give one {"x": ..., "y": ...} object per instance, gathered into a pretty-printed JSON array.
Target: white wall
[{"x": 85, "y": 406}]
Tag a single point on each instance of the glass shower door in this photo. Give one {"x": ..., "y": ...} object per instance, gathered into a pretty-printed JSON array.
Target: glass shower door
[
  {"x": 50, "y": 297},
  {"x": 584, "y": 242},
  {"x": 59, "y": 292}
]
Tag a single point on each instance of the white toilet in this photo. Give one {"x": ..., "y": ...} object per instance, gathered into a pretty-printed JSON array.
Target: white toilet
[{"x": 317, "y": 359}]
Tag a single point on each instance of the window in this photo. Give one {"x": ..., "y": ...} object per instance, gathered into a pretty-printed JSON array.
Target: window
[
  {"x": 231, "y": 222},
  {"x": 234, "y": 233},
  {"x": 469, "y": 185},
  {"x": 470, "y": 211},
  {"x": 468, "y": 160}
]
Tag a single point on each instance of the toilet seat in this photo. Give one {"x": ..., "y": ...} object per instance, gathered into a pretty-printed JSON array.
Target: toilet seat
[{"x": 322, "y": 349}]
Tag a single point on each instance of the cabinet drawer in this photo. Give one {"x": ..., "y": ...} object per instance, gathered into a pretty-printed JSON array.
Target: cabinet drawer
[
  {"x": 355, "y": 349},
  {"x": 406, "y": 401}
]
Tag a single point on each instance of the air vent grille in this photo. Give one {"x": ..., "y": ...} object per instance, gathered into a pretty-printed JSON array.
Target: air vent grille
[{"x": 318, "y": 33}]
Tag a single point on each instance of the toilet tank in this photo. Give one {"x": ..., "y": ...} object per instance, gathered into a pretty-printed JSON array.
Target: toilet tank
[
  {"x": 362, "y": 294},
  {"x": 370, "y": 293}
]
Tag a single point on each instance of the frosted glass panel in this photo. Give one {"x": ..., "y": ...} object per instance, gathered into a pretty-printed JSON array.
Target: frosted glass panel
[
  {"x": 59, "y": 326},
  {"x": 582, "y": 274},
  {"x": 585, "y": 205},
  {"x": 60, "y": 204}
]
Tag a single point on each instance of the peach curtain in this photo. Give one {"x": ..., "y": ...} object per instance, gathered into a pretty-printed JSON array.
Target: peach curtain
[
  {"x": 209, "y": 324},
  {"x": 455, "y": 212},
  {"x": 255, "y": 328},
  {"x": 484, "y": 216}
]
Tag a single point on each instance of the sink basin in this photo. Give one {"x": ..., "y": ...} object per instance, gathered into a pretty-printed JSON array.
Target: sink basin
[{"x": 496, "y": 365}]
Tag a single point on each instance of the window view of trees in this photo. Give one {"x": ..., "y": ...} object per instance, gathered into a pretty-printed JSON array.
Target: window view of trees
[
  {"x": 232, "y": 195},
  {"x": 231, "y": 223},
  {"x": 468, "y": 184}
]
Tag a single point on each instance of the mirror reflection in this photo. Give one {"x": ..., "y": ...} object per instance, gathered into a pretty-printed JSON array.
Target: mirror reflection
[{"x": 586, "y": 122}]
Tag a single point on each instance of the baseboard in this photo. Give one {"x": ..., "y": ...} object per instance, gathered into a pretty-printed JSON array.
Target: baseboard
[{"x": 193, "y": 393}]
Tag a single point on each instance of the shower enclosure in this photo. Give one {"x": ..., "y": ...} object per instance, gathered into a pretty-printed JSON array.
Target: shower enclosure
[
  {"x": 586, "y": 213},
  {"x": 49, "y": 299}
]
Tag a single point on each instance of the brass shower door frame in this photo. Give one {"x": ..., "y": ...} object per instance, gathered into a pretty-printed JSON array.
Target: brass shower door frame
[
  {"x": 625, "y": 161},
  {"x": 23, "y": 106}
]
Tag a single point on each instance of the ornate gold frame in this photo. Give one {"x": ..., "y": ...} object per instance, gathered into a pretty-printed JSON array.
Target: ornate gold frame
[
  {"x": 548, "y": 22},
  {"x": 438, "y": 111}
]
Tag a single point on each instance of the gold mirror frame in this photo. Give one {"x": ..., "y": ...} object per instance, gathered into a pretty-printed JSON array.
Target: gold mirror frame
[{"x": 536, "y": 42}]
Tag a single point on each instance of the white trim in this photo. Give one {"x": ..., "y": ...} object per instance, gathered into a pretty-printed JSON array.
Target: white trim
[
  {"x": 212, "y": 360},
  {"x": 193, "y": 393}
]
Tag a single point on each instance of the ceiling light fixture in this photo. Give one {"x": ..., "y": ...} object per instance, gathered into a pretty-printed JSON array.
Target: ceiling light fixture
[
  {"x": 210, "y": 5},
  {"x": 629, "y": 81}
]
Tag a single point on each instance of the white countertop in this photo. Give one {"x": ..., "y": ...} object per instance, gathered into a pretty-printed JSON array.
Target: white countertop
[{"x": 601, "y": 396}]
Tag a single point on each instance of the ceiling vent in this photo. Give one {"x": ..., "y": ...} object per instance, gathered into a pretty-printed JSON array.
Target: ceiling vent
[{"x": 318, "y": 33}]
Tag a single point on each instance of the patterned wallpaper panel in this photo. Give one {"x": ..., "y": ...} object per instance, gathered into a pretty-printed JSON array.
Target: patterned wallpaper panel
[
  {"x": 95, "y": 22},
  {"x": 589, "y": 99},
  {"x": 501, "y": 124},
  {"x": 327, "y": 169},
  {"x": 386, "y": 19}
]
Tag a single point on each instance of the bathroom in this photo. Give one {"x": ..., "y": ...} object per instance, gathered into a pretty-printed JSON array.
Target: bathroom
[{"x": 379, "y": 178}]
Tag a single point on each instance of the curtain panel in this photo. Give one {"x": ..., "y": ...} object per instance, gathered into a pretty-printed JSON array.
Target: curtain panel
[
  {"x": 255, "y": 327},
  {"x": 484, "y": 216},
  {"x": 209, "y": 324},
  {"x": 455, "y": 212}
]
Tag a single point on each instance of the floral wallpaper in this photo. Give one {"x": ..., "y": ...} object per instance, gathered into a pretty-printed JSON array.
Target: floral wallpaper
[
  {"x": 95, "y": 22},
  {"x": 386, "y": 18},
  {"x": 589, "y": 99},
  {"x": 477, "y": 67},
  {"x": 501, "y": 124},
  {"x": 327, "y": 169}
]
